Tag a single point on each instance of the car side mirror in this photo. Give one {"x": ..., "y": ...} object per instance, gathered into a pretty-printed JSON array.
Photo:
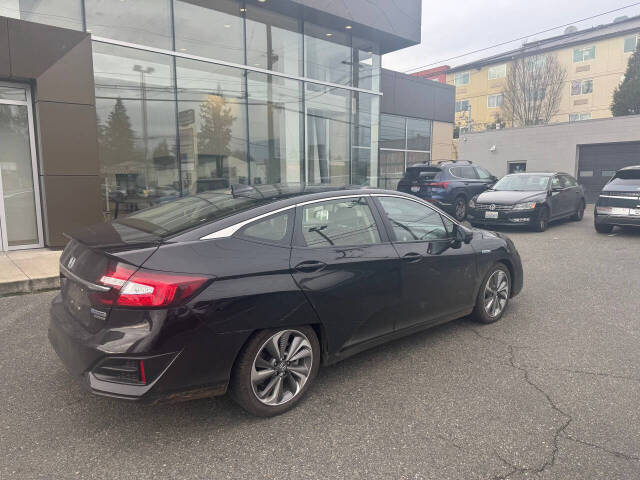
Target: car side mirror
[{"x": 461, "y": 234}]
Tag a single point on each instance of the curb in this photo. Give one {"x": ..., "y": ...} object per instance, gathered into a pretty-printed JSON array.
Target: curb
[{"x": 29, "y": 286}]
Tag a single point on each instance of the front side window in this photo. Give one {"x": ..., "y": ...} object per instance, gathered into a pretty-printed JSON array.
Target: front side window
[
  {"x": 461, "y": 78},
  {"x": 556, "y": 182},
  {"x": 497, "y": 71},
  {"x": 495, "y": 101},
  {"x": 581, "y": 87},
  {"x": 412, "y": 221},
  {"x": 273, "y": 229},
  {"x": 631, "y": 43},
  {"x": 343, "y": 222},
  {"x": 582, "y": 54},
  {"x": 569, "y": 181}
]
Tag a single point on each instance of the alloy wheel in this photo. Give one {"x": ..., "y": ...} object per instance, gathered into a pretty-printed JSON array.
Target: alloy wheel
[
  {"x": 461, "y": 208},
  {"x": 496, "y": 293},
  {"x": 281, "y": 367}
]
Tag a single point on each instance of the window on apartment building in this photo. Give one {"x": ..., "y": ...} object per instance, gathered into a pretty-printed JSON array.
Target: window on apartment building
[
  {"x": 497, "y": 71},
  {"x": 461, "y": 78},
  {"x": 581, "y": 87},
  {"x": 577, "y": 117},
  {"x": 582, "y": 54},
  {"x": 631, "y": 43},
  {"x": 462, "y": 105},
  {"x": 495, "y": 101}
]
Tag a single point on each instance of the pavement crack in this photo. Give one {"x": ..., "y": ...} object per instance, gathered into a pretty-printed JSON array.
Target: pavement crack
[
  {"x": 586, "y": 372},
  {"x": 600, "y": 447}
]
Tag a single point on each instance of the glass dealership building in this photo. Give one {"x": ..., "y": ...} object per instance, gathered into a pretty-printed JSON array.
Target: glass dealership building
[{"x": 199, "y": 95}]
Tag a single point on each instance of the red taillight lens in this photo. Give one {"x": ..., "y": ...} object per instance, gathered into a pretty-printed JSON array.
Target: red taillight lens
[
  {"x": 147, "y": 288},
  {"x": 439, "y": 184}
]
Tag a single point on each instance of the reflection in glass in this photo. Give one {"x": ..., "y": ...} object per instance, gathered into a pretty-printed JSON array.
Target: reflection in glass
[
  {"x": 273, "y": 41},
  {"x": 136, "y": 128},
  {"x": 147, "y": 22},
  {"x": 367, "y": 62},
  {"x": 327, "y": 55},
  {"x": 17, "y": 176},
  {"x": 59, "y": 13},
  {"x": 327, "y": 134},
  {"x": 392, "y": 166},
  {"x": 418, "y": 157},
  {"x": 275, "y": 129},
  {"x": 418, "y": 134},
  {"x": 13, "y": 93},
  {"x": 212, "y": 122},
  {"x": 213, "y": 32},
  {"x": 364, "y": 160},
  {"x": 392, "y": 132}
]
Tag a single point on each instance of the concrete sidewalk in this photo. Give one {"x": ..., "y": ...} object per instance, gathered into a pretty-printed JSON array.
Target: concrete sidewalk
[{"x": 24, "y": 271}]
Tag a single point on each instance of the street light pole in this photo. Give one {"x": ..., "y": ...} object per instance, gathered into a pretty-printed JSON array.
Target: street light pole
[{"x": 143, "y": 94}]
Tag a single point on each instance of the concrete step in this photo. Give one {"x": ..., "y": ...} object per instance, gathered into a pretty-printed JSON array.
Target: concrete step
[{"x": 25, "y": 271}]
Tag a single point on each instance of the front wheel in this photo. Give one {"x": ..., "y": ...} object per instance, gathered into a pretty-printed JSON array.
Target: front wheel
[
  {"x": 542, "y": 222},
  {"x": 460, "y": 208},
  {"x": 493, "y": 296},
  {"x": 275, "y": 369}
]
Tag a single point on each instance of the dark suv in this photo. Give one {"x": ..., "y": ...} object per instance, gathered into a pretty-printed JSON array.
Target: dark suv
[
  {"x": 619, "y": 201},
  {"x": 449, "y": 185}
]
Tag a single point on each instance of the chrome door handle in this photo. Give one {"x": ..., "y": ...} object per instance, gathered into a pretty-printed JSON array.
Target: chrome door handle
[
  {"x": 412, "y": 257},
  {"x": 309, "y": 266}
]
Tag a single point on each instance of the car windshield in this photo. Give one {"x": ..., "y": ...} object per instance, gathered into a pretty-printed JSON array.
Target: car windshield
[
  {"x": 626, "y": 177},
  {"x": 522, "y": 183}
]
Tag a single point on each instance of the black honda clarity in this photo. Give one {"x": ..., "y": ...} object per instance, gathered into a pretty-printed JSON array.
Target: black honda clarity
[{"x": 252, "y": 289}]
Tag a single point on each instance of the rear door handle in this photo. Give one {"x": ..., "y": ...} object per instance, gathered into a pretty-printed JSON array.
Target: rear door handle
[
  {"x": 309, "y": 266},
  {"x": 412, "y": 257}
]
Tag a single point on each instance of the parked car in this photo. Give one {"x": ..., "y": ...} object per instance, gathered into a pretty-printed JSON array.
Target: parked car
[
  {"x": 253, "y": 292},
  {"x": 619, "y": 201},
  {"x": 532, "y": 199},
  {"x": 449, "y": 185}
]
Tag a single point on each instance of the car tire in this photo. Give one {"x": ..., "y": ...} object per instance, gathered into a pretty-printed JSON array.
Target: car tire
[
  {"x": 493, "y": 297},
  {"x": 460, "y": 208},
  {"x": 602, "y": 228},
  {"x": 579, "y": 213},
  {"x": 542, "y": 220},
  {"x": 263, "y": 381}
]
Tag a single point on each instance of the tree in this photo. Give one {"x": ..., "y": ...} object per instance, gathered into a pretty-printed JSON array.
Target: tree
[
  {"x": 626, "y": 97},
  {"x": 214, "y": 136},
  {"x": 533, "y": 90},
  {"x": 116, "y": 137}
]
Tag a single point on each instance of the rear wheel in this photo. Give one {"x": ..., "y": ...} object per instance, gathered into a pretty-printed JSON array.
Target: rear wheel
[
  {"x": 494, "y": 295},
  {"x": 542, "y": 222},
  {"x": 579, "y": 213},
  {"x": 275, "y": 369},
  {"x": 602, "y": 228},
  {"x": 460, "y": 206}
]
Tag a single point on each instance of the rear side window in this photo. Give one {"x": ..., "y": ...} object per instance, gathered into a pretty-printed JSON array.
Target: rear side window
[
  {"x": 273, "y": 229},
  {"x": 463, "y": 172},
  {"x": 339, "y": 223},
  {"x": 483, "y": 174}
]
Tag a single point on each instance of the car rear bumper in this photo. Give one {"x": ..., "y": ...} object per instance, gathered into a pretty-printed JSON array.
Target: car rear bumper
[
  {"x": 198, "y": 365},
  {"x": 617, "y": 220}
]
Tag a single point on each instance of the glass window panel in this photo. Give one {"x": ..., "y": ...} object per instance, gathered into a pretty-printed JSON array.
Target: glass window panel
[
  {"x": 576, "y": 87},
  {"x": 327, "y": 55},
  {"x": 136, "y": 128},
  {"x": 275, "y": 129},
  {"x": 412, "y": 221},
  {"x": 418, "y": 134},
  {"x": 364, "y": 155},
  {"x": 327, "y": 134},
  {"x": 212, "y": 123},
  {"x": 273, "y": 41},
  {"x": 147, "y": 22},
  {"x": 13, "y": 93},
  {"x": 17, "y": 176},
  {"x": 392, "y": 131},
  {"x": 462, "y": 106},
  {"x": 392, "y": 168},
  {"x": 630, "y": 43},
  {"x": 418, "y": 157},
  {"x": 215, "y": 33},
  {"x": 339, "y": 223},
  {"x": 271, "y": 229},
  {"x": 587, "y": 86},
  {"x": 59, "y": 13},
  {"x": 497, "y": 71},
  {"x": 461, "y": 78},
  {"x": 366, "y": 65}
]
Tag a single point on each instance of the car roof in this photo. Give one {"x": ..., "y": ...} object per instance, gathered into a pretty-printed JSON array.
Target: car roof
[
  {"x": 548, "y": 174},
  {"x": 630, "y": 167},
  {"x": 447, "y": 163}
]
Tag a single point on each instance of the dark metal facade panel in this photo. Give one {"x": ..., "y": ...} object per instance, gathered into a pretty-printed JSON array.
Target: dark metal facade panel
[
  {"x": 412, "y": 96},
  {"x": 5, "y": 59},
  {"x": 601, "y": 160}
]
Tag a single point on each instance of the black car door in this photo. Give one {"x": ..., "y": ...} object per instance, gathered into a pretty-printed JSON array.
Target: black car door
[
  {"x": 438, "y": 276},
  {"x": 343, "y": 262},
  {"x": 560, "y": 201},
  {"x": 574, "y": 193}
]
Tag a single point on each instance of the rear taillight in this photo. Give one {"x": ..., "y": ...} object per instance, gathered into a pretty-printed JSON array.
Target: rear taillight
[
  {"x": 439, "y": 184},
  {"x": 146, "y": 288}
]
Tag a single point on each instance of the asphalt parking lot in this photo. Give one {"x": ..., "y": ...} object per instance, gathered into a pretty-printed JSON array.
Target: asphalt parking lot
[{"x": 550, "y": 391}]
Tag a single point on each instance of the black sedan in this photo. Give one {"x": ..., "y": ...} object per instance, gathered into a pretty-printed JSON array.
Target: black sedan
[
  {"x": 619, "y": 201},
  {"x": 532, "y": 199},
  {"x": 252, "y": 290}
]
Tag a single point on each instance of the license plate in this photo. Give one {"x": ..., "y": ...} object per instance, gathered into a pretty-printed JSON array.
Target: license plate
[
  {"x": 634, "y": 211},
  {"x": 415, "y": 189},
  {"x": 490, "y": 214}
]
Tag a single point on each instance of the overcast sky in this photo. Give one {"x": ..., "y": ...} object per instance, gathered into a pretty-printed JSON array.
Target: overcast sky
[{"x": 451, "y": 28}]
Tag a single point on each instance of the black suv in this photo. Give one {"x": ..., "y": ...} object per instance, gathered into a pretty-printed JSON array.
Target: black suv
[
  {"x": 619, "y": 201},
  {"x": 449, "y": 185}
]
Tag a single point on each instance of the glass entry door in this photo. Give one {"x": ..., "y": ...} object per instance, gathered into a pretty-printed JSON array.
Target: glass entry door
[{"x": 20, "y": 217}]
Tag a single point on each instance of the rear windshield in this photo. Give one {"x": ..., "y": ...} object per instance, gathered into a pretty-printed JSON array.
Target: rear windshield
[
  {"x": 626, "y": 177},
  {"x": 428, "y": 173},
  {"x": 188, "y": 212}
]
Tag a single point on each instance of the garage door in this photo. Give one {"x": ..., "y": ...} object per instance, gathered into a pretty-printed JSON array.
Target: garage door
[{"x": 597, "y": 163}]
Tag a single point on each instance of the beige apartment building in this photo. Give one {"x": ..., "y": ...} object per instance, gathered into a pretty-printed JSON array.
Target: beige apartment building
[{"x": 595, "y": 60}]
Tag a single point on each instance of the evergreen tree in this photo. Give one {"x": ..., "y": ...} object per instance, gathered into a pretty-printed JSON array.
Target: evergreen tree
[
  {"x": 626, "y": 97},
  {"x": 116, "y": 137}
]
